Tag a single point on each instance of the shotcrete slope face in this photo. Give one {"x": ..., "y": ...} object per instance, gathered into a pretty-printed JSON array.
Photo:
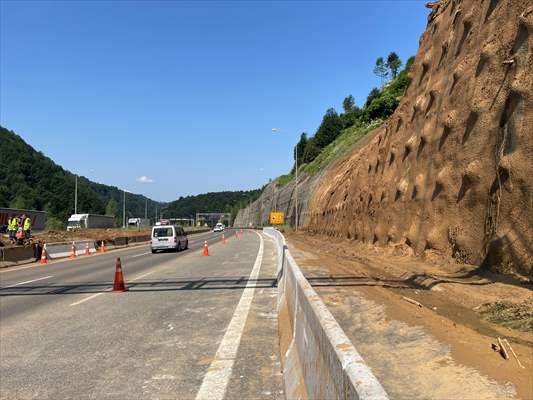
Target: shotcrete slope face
[{"x": 451, "y": 169}]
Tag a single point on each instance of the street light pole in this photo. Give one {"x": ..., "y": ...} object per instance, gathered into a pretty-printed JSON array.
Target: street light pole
[
  {"x": 124, "y": 210},
  {"x": 296, "y": 188},
  {"x": 146, "y": 208},
  {"x": 76, "y": 194}
]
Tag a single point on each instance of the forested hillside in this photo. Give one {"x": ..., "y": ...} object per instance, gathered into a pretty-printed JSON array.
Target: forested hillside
[
  {"x": 29, "y": 179},
  {"x": 229, "y": 202}
]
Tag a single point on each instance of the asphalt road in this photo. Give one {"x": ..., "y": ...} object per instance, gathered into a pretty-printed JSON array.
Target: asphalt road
[{"x": 189, "y": 326}]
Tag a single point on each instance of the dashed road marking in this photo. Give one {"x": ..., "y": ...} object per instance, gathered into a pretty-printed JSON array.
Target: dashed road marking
[
  {"x": 217, "y": 377},
  {"x": 87, "y": 299},
  {"x": 23, "y": 283},
  {"x": 142, "y": 254}
]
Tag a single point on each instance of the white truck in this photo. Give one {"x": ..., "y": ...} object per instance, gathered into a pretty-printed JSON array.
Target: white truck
[
  {"x": 138, "y": 222},
  {"x": 90, "y": 221}
]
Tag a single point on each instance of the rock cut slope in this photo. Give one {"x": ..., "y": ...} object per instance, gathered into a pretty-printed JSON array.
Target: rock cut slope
[{"x": 451, "y": 170}]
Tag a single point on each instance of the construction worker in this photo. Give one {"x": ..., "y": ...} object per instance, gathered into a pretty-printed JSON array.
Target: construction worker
[
  {"x": 26, "y": 227},
  {"x": 12, "y": 227}
]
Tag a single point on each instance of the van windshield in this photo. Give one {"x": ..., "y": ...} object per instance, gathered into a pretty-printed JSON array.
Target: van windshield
[{"x": 163, "y": 232}]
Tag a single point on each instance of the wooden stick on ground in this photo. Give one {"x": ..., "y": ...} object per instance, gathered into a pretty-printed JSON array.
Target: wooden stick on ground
[
  {"x": 503, "y": 352},
  {"x": 412, "y": 301},
  {"x": 514, "y": 354}
]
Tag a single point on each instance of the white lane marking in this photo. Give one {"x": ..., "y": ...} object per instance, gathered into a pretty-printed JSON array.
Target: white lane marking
[
  {"x": 108, "y": 290},
  {"x": 66, "y": 259},
  {"x": 217, "y": 377},
  {"x": 142, "y": 254},
  {"x": 142, "y": 276},
  {"x": 87, "y": 298},
  {"x": 23, "y": 283}
]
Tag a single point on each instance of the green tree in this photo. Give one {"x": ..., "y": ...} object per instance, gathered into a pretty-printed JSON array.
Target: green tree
[
  {"x": 300, "y": 146},
  {"x": 111, "y": 208},
  {"x": 393, "y": 64},
  {"x": 380, "y": 69},
  {"x": 311, "y": 151},
  {"x": 371, "y": 96},
  {"x": 329, "y": 129},
  {"x": 348, "y": 103}
]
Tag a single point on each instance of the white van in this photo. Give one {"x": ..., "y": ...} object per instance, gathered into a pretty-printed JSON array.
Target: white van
[
  {"x": 219, "y": 227},
  {"x": 168, "y": 237}
]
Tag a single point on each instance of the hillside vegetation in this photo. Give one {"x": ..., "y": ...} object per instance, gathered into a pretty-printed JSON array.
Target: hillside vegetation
[
  {"x": 337, "y": 133},
  {"x": 228, "y": 202},
  {"x": 29, "y": 179}
]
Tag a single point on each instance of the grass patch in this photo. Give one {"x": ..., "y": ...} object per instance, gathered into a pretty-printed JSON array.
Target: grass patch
[
  {"x": 515, "y": 316},
  {"x": 284, "y": 179},
  {"x": 339, "y": 146}
]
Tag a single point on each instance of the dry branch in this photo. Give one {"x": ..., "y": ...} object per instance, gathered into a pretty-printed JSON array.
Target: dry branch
[
  {"x": 503, "y": 352},
  {"x": 412, "y": 301},
  {"x": 514, "y": 354}
]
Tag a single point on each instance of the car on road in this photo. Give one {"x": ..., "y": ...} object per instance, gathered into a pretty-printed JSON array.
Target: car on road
[
  {"x": 168, "y": 237},
  {"x": 218, "y": 227}
]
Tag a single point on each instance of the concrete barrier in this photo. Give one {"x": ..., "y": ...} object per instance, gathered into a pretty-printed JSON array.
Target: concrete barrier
[
  {"x": 319, "y": 361},
  {"x": 17, "y": 255},
  {"x": 60, "y": 250}
]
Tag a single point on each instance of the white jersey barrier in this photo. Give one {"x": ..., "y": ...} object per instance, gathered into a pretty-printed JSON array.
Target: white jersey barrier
[
  {"x": 60, "y": 250},
  {"x": 319, "y": 361}
]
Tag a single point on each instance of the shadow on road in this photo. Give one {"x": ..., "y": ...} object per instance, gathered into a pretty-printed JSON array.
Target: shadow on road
[{"x": 139, "y": 286}]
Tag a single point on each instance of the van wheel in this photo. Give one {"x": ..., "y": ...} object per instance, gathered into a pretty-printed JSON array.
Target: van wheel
[
  {"x": 179, "y": 247},
  {"x": 153, "y": 251},
  {"x": 186, "y": 245}
]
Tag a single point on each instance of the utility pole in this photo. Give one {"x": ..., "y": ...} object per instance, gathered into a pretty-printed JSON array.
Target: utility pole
[
  {"x": 296, "y": 188},
  {"x": 124, "y": 210},
  {"x": 146, "y": 208},
  {"x": 76, "y": 194}
]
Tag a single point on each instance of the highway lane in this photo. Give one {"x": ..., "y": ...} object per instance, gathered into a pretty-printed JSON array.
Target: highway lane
[
  {"x": 25, "y": 288},
  {"x": 66, "y": 337}
]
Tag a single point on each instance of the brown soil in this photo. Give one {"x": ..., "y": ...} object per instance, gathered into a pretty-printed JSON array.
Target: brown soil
[
  {"x": 96, "y": 234},
  {"x": 459, "y": 301},
  {"x": 451, "y": 170}
]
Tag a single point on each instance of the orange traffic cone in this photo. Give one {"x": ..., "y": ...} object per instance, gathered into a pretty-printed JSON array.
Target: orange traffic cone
[
  {"x": 223, "y": 240},
  {"x": 44, "y": 260},
  {"x": 118, "y": 285},
  {"x": 206, "y": 249},
  {"x": 72, "y": 250},
  {"x": 237, "y": 234},
  {"x": 87, "y": 251},
  {"x": 102, "y": 247}
]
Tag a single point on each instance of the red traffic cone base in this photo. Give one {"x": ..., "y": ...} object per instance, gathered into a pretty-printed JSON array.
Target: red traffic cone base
[{"x": 118, "y": 285}]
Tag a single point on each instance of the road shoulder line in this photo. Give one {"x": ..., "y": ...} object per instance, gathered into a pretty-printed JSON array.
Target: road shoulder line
[{"x": 218, "y": 375}]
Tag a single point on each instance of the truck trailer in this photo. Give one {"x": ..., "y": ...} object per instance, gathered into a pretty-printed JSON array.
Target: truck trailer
[
  {"x": 90, "y": 221},
  {"x": 138, "y": 222}
]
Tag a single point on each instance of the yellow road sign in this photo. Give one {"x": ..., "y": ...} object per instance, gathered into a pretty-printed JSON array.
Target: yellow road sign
[{"x": 277, "y": 218}]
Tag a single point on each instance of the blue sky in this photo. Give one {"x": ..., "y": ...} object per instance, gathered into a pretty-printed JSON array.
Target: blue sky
[{"x": 187, "y": 93}]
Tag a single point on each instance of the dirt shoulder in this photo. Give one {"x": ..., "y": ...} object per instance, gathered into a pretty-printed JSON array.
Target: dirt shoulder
[
  {"x": 447, "y": 340},
  {"x": 94, "y": 234}
]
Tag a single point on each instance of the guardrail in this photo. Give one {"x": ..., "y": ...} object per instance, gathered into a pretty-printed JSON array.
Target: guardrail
[{"x": 319, "y": 361}]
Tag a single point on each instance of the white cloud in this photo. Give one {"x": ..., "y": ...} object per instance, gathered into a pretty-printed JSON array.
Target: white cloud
[
  {"x": 274, "y": 130},
  {"x": 144, "y": 179}
]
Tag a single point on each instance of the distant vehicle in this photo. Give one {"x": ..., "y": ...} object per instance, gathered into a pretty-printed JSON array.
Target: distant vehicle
[
  {"x": 162, "y": 222},
  {"x": 138, "y": 222},
  {"x": 219, "y": 227},
  {"x": 90, "y": 221},
  {"x": 168, "y": 237}
]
